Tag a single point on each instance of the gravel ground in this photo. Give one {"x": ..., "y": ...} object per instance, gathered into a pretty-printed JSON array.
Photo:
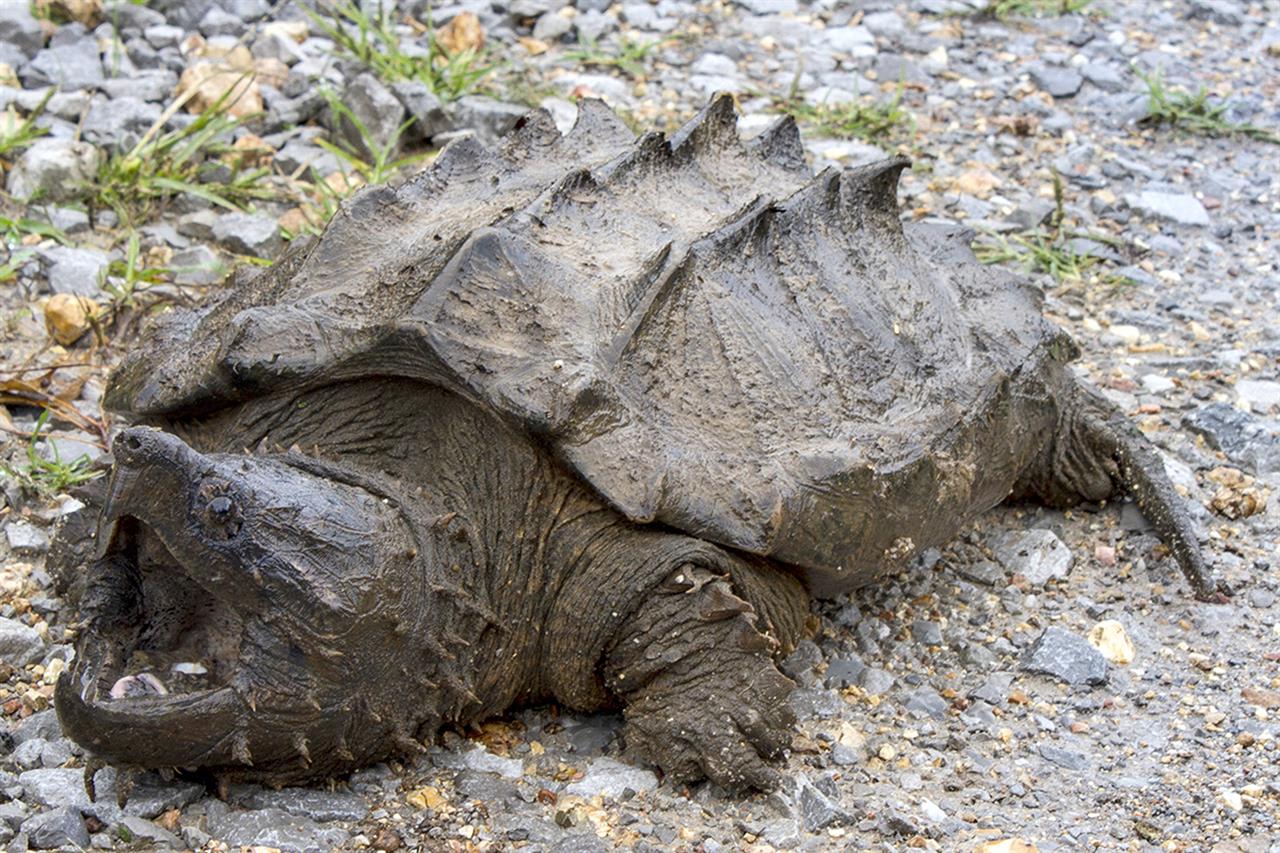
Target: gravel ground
[{"x": 1045, "y": 683}]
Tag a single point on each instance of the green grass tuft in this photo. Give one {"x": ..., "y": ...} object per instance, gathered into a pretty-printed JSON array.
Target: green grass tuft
[
  {"x": 1194, "y": 113},
  {"x": 628, "y": 56},
  {"x": 163, "y": 165},
  {"x": 1002, "y": 10},
  {"x": 16, "y": 134},
  {"x": 868, "y": 120},
  {"x": 372, "y": 40},
  {"x": 49, "y": 477}
]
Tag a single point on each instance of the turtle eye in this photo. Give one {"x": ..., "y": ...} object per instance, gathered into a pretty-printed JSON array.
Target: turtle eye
[{"x": 220, "y": 514}]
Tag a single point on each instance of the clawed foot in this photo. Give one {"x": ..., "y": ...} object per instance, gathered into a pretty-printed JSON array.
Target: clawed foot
[{"x": 704, "y": 698}]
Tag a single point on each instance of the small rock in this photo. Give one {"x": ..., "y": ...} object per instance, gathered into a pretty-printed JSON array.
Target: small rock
[
  {"x": 1058, "y": 82},
  {"x": 68, "y": 316},
  {"x": 77, "y": 65},
  {"x": 609, "y": 778},
  {"x": 220, "y": 83},
  {"x": 1250, "y": 442},
  {"x": 53, "y": 170},
  {"x": 76, "y": 271},
  {"x": 551, "y": 27},
  {"x": 1067, "y": 657},
  {"x": 25, "y": 538},
  {"x": 482, "y": 759},
  {"x": 426, "y": 110},
  {"x": 197, "y": 265},
  {"x": 876, "y": 681},
  {"x": 1109, "y": 638},
  {"x": 817, "y": 810},
  {"x": 1261, "y": 395},
  {"x": 374, "y": 107},
  {"x": 1219, "y": 11},
  {"x": 932, "y": 812},
  {"x": 120, "y": 122},
  {"x": 142, "y": 830},
  {"x": 1038, "y": 555},
  {"x": 248, "y": 234},
  {"x": 489, "y": 118},
  {"x": 19, "y": 644},
  {"x": 60, "y": 827},
  {"x": 19, "y": 28},
  {"x": 314, "y": 804},
  {"x": 926, "y": 633},
  {"x": 1067, "y": 758},
  {"x": 272, "y": 828},
  {"x": 1105, "y": 77},
  {"x": 1174, "y": 207},
  {"x": 983, "y": 572},
  {"x": 995, "y": 689},
  {"x": 925, "y": 702},
  {"x": 844, "y": 672},
  {"x": 811, "y": 704}
]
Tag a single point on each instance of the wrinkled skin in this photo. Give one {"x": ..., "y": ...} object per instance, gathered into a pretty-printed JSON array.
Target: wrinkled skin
[{"x": 585, "y": 420}]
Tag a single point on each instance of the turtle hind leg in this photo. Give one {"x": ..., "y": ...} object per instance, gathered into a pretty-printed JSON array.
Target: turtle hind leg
[{"x": 1096, "y": 451}]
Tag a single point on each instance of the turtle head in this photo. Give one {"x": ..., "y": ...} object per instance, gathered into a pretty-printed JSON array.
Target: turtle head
[{"x": 243, "y": 616}]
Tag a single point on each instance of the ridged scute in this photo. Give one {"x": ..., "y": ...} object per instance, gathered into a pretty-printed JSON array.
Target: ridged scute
[{"x": 712, "y": 337}]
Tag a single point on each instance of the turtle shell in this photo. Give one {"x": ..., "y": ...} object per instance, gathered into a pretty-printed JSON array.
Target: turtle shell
[{"x": 712, "y": 337}]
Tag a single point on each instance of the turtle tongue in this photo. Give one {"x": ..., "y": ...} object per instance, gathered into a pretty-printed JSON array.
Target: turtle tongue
[{"x": 142, "y": 684}]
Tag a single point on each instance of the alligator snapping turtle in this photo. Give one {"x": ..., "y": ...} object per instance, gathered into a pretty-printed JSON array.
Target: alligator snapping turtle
[{"x": 583, "y": 420}]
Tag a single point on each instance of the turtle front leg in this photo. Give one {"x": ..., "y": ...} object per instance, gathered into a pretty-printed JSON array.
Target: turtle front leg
[{"x": 695, "y": 666}]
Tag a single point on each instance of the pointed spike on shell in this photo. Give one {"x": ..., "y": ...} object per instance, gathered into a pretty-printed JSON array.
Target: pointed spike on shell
[
  {"x": 596, "y": 124},
  {"x": 534, "y": 131},
  {"x": 343, "y": 751},
  {"x": 780, "y": 145},
  {"x": 407, "y": 743},
  {"x": 869, "y": 194},
  {"x": 715, "y": 126}
]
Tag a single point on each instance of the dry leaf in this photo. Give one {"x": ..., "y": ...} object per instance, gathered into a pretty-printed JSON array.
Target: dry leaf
[{"x": 461, "y": 34}]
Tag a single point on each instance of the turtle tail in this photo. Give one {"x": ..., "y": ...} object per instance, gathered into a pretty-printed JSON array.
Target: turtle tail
[{"x": 1097, "y": 450}]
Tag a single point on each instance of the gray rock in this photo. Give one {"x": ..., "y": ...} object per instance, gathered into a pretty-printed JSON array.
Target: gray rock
[
  {"x": 887, "y": 24},
  {"x": 20, "y": 645},
  {"x": 163, "y": 35},
  {"x": 67, "y": 66},
  {"x": 318, "y": 805},
  {"x": 589, "y": 736},
  {"x": 995, "y": 689},
  {"x": 609, "y": 778},
  {"x": 25, "y": 538},
  {"x": 855, "y": 41},
  {"x": 809, "y": 704},
  {"x": 27, "y": 755},
  {"x": 844, "y": 672},
  {"x": 301, "y": 158},
  {"x": 155, "y": 84},
  {"x": 64, "y": 786},
  {"x": 817, "y": 810},
  {"x": 119, "y": 122},
  {"x": 1248, "y": 441},
  {"x": 978, "y": 656},
  {"x": 1067, "y": 758},
  {"x": 714, "y": 64},
  {"x": 217, "y": 22},
  {"x": 197, "y": 265},
  {"x": 983, "y": 572},
  {"x": 551, "y": 27},
  {"x": 482, "y": 759},
  {"x": 1059, "y": 82},
  {"x": 53, "y": 170},
  {"x": 426, "y": 110},
  {"x": 1038, "y": 555},
  {"x": 925, "y": 702},
  {"x": 12, "y": 814},
  {"x": 374, "y": 107},
  {"x": 876, "y": 681},
  {"x": 42, "y": 725},
  {"x": 61, "y": 827},
  {"x": 1173, "y": 207},
  {"x": 783, "y": 833},
  {"x": 78, "y": 271},
  {"x": 1262, "y": 395},
  {"x": 1067, "y": 657},
  {"x": 594, "y": 25},
  {"x": 1106, "y": 77},
  {"x": 248, "y": 234},
  {"x": 56, "y": 753},
  {"x": 19, "y": 28},
  {"x": 1218, "y": 11},
  {"x": 926, "y": 633},
  {"x": 136, "y": 830},
  {"x": 272, "y": 828},
  {"x": 489, "y": 118}
]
